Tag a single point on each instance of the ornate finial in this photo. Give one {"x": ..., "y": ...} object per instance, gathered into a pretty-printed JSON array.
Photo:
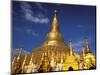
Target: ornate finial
[
  {"x": 13, "y": 60},
  {"x": 24, "y": 62},
  {"x": 45, "y": 54},
  {"x": 31, "y": 60},
  {"x": 87, "y": 45},
  {"x": 20, "y": 51},
  {"x": 85, "y": 37},
  {"x": 55, "y": 27},
  {"x": 71, "y": 51},
  {"x": 70, "y": 43},
  {"x": 83, "y": 51},
  {"x": 55, "y": 12},
  {"x": 82, "y": 44},
  {"x": 18, "y": 57}
]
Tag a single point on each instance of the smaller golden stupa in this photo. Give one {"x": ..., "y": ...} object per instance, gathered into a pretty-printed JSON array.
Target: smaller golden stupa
[
  {"x": 71, "y": 61},
  {"x": 89, "y": 58}
]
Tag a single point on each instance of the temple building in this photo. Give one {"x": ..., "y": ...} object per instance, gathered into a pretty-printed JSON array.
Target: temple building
[
  {"x": 88, "y": 57},
  {"x": 54, "y": 55}
]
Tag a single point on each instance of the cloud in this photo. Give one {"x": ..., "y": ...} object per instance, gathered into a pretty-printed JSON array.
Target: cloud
[
  {"x": 32, "y": 16},
  {"x": 36, "y": 19},
  {"x": 78, "y": 45},
  {"x": 80, "y": 26},
  {"x": 17, "y": 29},
  {"x": 26, "y": 52},
  {"x": 29, "y": 31},
  {"x": 40, "y": 6},
  {"x": 16, "y": 51},
  {"x": 58, "y": 4}
]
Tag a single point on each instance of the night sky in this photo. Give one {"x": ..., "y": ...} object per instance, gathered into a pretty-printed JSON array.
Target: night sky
[{"x": 31, "y": 22}]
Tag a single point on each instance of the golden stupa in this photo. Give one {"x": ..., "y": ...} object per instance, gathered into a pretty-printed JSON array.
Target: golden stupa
[
  {"x": 88, "y": 57},
  {"x": 53, "y": 55}
]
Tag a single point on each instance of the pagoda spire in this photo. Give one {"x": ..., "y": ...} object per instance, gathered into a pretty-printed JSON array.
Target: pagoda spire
[
  {"x": 71, "y": 49},
  {"x": 13, "y": 60},
  {"x": 31, "y": 60},
  {"x": 83, "y": 50},
  {"x": 20, "y": 52},
  {"x": 24, "y": 62},
  {"x": 87, "y": 45},
  {"x": 55, "y": 27},
  {"x": 54, "y": 37}
]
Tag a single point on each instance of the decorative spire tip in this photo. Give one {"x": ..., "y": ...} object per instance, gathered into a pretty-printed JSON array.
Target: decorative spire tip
[{"x": 55, "y": 12}]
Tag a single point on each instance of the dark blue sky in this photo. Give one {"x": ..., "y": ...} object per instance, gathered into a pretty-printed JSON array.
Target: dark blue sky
[{"x": 32, "y": 21}]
